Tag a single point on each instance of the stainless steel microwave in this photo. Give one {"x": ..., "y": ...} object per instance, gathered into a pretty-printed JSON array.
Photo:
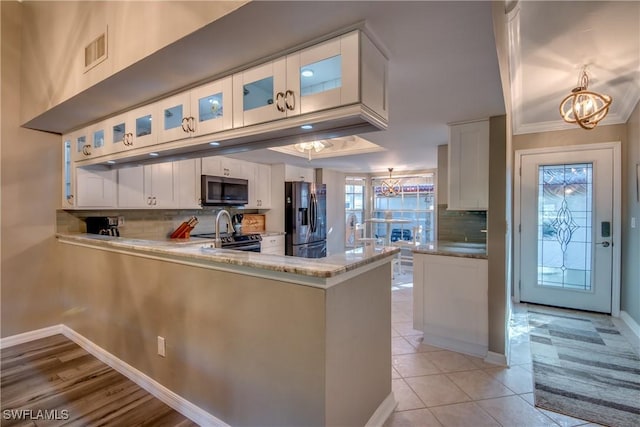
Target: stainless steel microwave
[{"x": 223, "y": 191}]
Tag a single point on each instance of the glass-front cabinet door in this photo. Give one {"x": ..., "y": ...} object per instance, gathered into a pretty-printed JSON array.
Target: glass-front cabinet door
[
  {"x": 68, "y": 182},
  {"x": 211, "y": 107},
  {"x": 323, "y": 76},
  {"x": 80, "y": 145},
  {"x": 96, "y": 136},
  {"x": 174, "y": 118},
  {"x": 119, "y": 134},
  {"x": 144, "y": 130},
  {"x": 258, "y": 94}
]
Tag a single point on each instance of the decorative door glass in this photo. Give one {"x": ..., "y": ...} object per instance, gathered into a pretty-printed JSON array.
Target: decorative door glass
[
  {"x": 321, "y": 76},
  {"x": 258, "y": 94},
  {"x": 565, "y": 202},
  {"x": 210, "y": 107}
]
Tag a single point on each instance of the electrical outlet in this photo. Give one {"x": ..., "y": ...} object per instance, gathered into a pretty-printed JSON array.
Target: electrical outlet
[
  {"x": 120, "y": 221},
  {"x": 161, "y": 347}
]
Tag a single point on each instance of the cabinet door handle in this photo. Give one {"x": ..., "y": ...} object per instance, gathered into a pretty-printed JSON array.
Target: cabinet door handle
[
  {"x": 148, "y": 200},
  {"x": 86, "y": 150},
  {"x": 286, "y": 100},
  {"x": 128, "y": 139},
  {"x": 279, "y": 96},
  {"x": 192, "y": 124},
  {"x": 154, "y": 201},
  {"x": 185, "y": 124}
]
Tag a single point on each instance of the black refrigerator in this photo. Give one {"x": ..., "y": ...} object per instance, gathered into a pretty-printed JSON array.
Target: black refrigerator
[{"x": 305, "y": 219}]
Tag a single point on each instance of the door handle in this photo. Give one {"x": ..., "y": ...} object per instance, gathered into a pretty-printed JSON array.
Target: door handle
[{"x": 604, "y": 244}]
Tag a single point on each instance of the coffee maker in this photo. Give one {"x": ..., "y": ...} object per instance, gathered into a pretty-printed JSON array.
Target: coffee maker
[{"x": 105, "y": 225}]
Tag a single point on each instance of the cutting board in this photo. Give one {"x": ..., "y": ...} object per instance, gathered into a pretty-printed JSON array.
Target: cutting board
[{"x": 253, "y": 223}]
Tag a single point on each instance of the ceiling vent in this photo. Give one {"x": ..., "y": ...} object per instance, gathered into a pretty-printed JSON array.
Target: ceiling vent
[{"x": 95, "y": 52}]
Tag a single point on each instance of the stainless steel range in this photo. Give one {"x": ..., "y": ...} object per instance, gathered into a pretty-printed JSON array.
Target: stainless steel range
[{"x": 238, "y": 242}]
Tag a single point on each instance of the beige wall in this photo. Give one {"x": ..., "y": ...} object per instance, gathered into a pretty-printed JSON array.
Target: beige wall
[
  {"x": 30, "y": 187},
  {"x": 630, "y": 295},
  {"x": 250, "y": 351},
  {"x": 497, "y": 229},
  {"x": 58, "y": 31}
]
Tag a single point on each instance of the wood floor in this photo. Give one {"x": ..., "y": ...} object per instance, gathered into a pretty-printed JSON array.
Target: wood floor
[{"x": 55, "y": 378}]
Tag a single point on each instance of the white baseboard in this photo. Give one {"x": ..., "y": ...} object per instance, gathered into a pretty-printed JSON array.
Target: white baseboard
[
  {"x": 631, "y": 323},
  {"x": 381, "y": 414},
  {"x": 180, "y": 404},
  {"x": 186, "y": 408},
  {"x": 496, "y": 358},
  {"x": 452, "y": 344},
  {"x": 30, "y": 336}
]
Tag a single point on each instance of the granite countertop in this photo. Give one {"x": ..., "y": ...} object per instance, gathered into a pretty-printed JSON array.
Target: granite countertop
[
  {"x": 201, "y": 251},
  {"x": 456, "y": 249}
]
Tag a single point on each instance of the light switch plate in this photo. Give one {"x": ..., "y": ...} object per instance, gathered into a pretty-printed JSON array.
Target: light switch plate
[
  {"x": 633, "y": 222},
  {"x": 161, "y": 347}
]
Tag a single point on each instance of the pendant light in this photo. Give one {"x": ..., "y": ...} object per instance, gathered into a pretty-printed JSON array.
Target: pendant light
[
  {"x": 390, "y": 186},
  {"x": 584, "y": 107}
]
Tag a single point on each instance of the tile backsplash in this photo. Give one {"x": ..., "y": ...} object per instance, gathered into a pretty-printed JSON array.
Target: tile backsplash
[
  {"x": 144, "y": 224},
  {"x": 462, "y": 226}
]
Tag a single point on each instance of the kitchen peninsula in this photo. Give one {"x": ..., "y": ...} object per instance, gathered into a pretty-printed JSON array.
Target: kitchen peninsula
[{"x": 253, "y": 339}]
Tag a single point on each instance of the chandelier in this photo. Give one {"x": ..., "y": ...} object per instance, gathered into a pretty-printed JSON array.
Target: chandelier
[
  {"x": 584, "y": 107},
  {"x": 313, "y": 146},
  {"x": 390, "y": 186}
]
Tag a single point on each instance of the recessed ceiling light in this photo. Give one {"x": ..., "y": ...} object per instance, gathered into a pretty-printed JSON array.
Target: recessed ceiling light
[
  {"x": 111, "y": 161},
  {"x": 307, "y": 73},
  {"x": 306, "y": 127},
  {"x": 154, "y": 154},
  {"x": 214, "y": 143}
]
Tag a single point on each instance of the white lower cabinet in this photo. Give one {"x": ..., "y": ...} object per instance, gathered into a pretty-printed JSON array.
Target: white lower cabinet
[
  {"x": 450, "y": 302},
  {"x": 96, "y": 188},
  {"x": 260, "y": 187},
  {"x": 150, "y": 186},
  {"x": 272, "y": 244}
]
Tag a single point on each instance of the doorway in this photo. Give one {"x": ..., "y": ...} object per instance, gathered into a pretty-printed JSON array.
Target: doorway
[{"x": 567, "y": 211}]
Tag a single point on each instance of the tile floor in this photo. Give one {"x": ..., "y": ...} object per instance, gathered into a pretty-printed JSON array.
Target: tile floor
[{"x": 436, "y": 387}]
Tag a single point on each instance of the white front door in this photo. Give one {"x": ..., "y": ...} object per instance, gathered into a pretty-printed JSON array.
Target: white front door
[{"x": 567, "y": 229}]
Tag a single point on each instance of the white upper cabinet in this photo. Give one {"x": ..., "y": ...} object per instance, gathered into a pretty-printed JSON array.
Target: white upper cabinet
[
  {"x": 225, "y": 166},
  {"x": 295, "y": 173},
  {"x": 260, "y": 187},
  {"x": 200, "y": 111},
  {"x": 188, "y": 178},
  {"x": 89, "y": 142},
  {"x": 469, "y": 166},
  {"x": 324, "y": 76},
  {"x": 317, "y": 78},
  {"x": 96, "y": 188},
  {"x": 131, "y": 130},
  {"x": 151, "y": 186}
]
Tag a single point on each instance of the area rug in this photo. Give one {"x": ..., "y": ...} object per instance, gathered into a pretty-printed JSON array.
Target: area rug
[{"x": 583, "y": 367}]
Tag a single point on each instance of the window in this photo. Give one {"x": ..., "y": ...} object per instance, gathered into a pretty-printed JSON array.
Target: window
[
  {"x": 415, "y": 203},
  {"x": 353, "y": 206}
]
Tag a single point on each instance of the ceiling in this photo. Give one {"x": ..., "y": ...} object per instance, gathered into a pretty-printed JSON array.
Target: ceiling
[
  {"x": 553, "y": 41},
  {"x": 443, "y": 66}
]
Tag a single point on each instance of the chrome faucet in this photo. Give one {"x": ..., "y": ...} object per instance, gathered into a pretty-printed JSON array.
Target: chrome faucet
[{"x": 218, "y": 242}]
